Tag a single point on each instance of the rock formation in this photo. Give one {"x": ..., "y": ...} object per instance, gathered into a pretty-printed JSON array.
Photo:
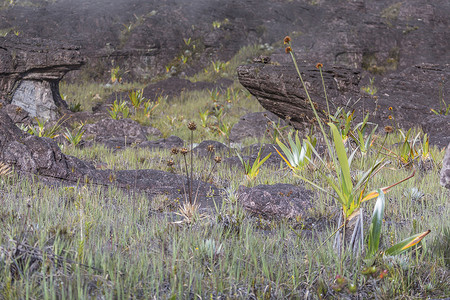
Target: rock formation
[
  {"x": 30, "y": 72},
  {"x": 375, "y": 55},
  {"x": 445, "y": 171},
  {"x": 276, "y": 201},
  {"x": 30, "y": 155}
]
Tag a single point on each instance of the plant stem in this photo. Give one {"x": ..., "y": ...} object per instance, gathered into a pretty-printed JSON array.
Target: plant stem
[{"x": 325, "y": 92}]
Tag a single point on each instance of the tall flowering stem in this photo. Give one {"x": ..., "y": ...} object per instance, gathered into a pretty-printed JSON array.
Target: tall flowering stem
[
  {"x": 291, "y": 52},
  {"x": 320, "y": 66}
]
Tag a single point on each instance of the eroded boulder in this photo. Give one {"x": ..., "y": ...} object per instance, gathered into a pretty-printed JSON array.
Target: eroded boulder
[
  {"x": 30, "y": 72},
  {"x": 276, "y": 201},
  {"x": 407, "y": 96},
  {"x": 445, "y": 171},
  {"x": 255, "y": 125},
  {"x": 119, "y": 133}
]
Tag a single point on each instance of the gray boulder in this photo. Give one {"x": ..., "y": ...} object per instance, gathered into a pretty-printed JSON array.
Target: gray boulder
[
  {"x": 119, "y": 133},
  {"x": 255, "y": 125},
  {"x": 276, "y": 201},
  {"x": 445, "y": 171}
]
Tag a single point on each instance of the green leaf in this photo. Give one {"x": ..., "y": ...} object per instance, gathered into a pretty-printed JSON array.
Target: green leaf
[
  {"x": 377, "y": 222},
  {"x": 343, "y": 160},
  {"x": 257, "y": 163},
  {"x": 406, "y": 244}
]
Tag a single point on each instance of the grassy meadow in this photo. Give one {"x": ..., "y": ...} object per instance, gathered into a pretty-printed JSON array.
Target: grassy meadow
[{"x": 106, "y": 243}]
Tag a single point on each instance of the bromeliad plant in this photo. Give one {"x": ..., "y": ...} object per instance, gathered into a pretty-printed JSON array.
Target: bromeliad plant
[
  {"x": 137, "y": 98},
  {"x": 75, "y": 136},
  {"x": 344, "y": 121},
  {"x": 118, "y": 109},
  {"x": 298, "y": 155},
  {"x": 42, "y": 130},
  {"x": 349, "y": 192},
  {"x": 252, "y": 170}
]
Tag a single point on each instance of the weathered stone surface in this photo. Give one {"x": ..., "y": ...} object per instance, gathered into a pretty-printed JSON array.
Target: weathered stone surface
[
  {"x": 17, "y": 114},
  {"x": 445, "y": 171},
  {"x": 218, "y": 149},
  {"x": 123, "y": 132},
  {"x": 164, "y": 143},
  {"x": 254, "y": 125},
  {"x": 411, "y": 94},
  {"x": 36, "y": 98},
  {"x": 31, "y": 155},
  {"x": 276, "y": 201},
  {"x": 140, "y": 36},
  {"x": 30, "y": 72},
  {"x": 438, "y": 128}
]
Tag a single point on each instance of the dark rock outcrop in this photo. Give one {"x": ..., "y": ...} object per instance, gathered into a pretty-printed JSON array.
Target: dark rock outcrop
[
  {"x": 279, "y": 200},
  {"x": 31, "y": 155},
  {"x": 411, "y": 94},
  {"x": 30, "y": 72},
  {"x": 445, "y": 171},
  {"x": 401, "y": 47},
  {"x": 119, "y": 133},
  {"x": 218, "y": 149},
  {"x": 255, "y": 125},
  {"x": 164, "y": 143}
]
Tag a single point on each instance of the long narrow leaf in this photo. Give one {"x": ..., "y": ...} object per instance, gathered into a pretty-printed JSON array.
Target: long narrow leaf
[
  {"x": 285, "y": 160},
  {"x": 343, "y": 160},
  {"x": 257, "y": 164},
  {"x": 406, "y": 243},
  {"x": 377, "y": 222}
]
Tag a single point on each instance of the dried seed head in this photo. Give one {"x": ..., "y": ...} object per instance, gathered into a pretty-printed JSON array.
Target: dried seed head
[
  {"x": 170, "y": 163},
  {"x": 319, "y": 65},
  {"x": 388, "y": 129},
  {"x": 288, "y": 50},
  {"x": 287, "y": 39},
  {"x": 184, "y": 151},
  {"x": 218, "y": 159},
  {"x": 174, "y": 150},
  {"x": 192, "y": 126},
  {"x": 210, "y": 148},
  {"x": 18, "y": 110}
]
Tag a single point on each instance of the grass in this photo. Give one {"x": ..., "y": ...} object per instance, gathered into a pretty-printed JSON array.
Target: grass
[
  {"x": 173, "y": 114},
  {"x": 115, "y": 244},
  {"x": 89, "y": 94},
  {"x": 142, "y": 254},
  {"x": 243, "y": 56}
]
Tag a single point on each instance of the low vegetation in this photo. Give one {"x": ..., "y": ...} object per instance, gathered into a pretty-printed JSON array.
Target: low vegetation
[{"x": 87, "y": 241}]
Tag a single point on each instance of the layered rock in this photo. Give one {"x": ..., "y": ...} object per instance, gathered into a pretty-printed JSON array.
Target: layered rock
[
  {"x": 376, "y": 55},
  {"x": 30, "y": 72},
  {"x": 403, "y": 99}
]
